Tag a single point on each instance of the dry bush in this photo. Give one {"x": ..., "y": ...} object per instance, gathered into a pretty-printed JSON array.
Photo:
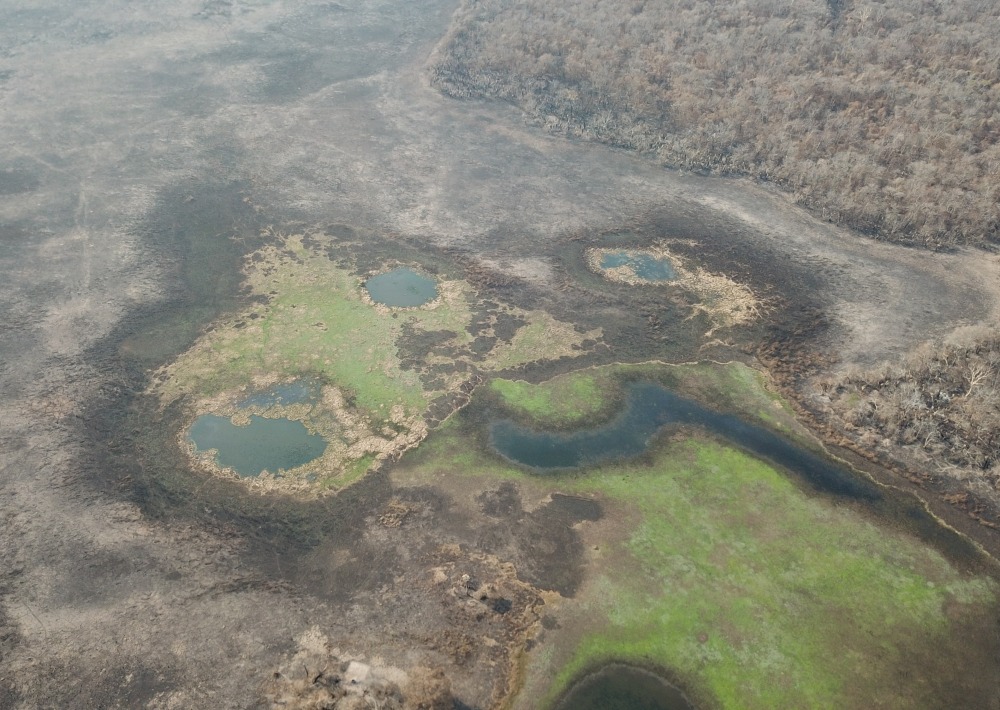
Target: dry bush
[
  {"x": 943, "y": 401},
  {"x": 427, "y": 689},
  {"x": 316, "y": 678},
  {"x": 882, "y": 114}
]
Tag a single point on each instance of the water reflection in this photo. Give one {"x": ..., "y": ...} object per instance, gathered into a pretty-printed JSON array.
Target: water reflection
[
  {"x": 401, "y": 288},
  {"x": 262, "y": 445}
]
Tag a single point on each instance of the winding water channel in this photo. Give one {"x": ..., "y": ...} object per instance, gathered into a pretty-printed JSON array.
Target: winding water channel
[
  {"x": 124, "y": 232},
  {"x": 650, "y": 407}
]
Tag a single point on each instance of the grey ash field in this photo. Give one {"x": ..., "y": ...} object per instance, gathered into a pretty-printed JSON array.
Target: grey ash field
[{"x": 151, "y": 153}]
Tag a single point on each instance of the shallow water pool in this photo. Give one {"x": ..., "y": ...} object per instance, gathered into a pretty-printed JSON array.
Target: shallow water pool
[
  {"x": 645, "y": 266},
  {"x": 262, "y": 445},
  {"x": 621, "y": 687},
  {"x": 401, "y": 288}
]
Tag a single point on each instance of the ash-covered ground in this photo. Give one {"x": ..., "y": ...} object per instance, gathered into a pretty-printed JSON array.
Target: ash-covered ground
[{"x": 144, "y": 149}]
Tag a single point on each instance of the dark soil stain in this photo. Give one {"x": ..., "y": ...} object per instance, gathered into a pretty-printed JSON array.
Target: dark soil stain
[
  {"x": 504, "y": 502},
  {"x": 546, "y": 548},
  {"x": 574, "y": 508},
  {"x": 15, "y": 182}
]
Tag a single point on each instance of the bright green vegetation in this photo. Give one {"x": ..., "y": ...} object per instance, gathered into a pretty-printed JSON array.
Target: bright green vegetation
[
  {"x": 758, "y": 595},
  {"x": 318, "y": 323},
  {"x": 354, "y": 471},
  {"x": 562, "y": 401},
  {"x": 753, "y": 592},
  {"x": 570, "y": 399}
]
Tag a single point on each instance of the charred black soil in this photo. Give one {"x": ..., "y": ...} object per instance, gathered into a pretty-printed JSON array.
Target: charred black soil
[{"x": 148, "y": 156}]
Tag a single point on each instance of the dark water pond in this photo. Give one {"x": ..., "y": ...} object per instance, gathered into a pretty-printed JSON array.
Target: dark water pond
[
  {"x": 295, "y": 392},
  {"x": 645, "y": 266},
  {"x": 262, "y": 445},
  {"x": 401, "y": 288},
  {"x": 648, "y": 407},
  {"x": 622, "y": 687}
]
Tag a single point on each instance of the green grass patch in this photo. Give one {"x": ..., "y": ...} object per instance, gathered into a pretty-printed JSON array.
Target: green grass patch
[
  {"x": 559, "y": 402},
  {"x": 758, "y": 595},
  {"x": 353, "y": 472},
  {"x": 751, "y": 591},
  {"x": 316, "y": 323}
]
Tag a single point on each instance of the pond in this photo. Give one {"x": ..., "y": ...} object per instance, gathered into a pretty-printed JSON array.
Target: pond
[
  {"x": 621, "y": 687},
  {"x": 649, "y": 407},
  {"x": 401, "y": 288},
  {"x": 296, "y": 392},
  {"x": 642, "y": 265},
  {"x": 262, "y": 445}
]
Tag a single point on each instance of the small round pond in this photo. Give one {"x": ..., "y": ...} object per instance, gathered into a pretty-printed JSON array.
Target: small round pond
[
  {"x": 262, "y": 445},
  {"x": 642, "y": 265},
  {"x": 622, "y": 687},
  {"x": 401, "y": 288}
]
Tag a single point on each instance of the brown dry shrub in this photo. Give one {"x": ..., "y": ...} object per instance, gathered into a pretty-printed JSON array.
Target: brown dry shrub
[
  {"x": 427, "y": 689},
  {"x": 942, "y": 402}
]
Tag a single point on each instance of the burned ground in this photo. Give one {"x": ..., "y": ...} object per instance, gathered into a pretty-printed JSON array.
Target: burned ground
[{"x": 129, "y": 578}]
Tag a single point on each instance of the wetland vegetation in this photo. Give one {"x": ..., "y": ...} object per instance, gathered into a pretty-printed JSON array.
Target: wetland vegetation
[
  {"x": 729, "y": 552},
  {"x": 319, "y": 322},
  {"x": 248, "y": 465},
  {"x": 879, "y": 116},
  {"x": 749, "y": 588}
]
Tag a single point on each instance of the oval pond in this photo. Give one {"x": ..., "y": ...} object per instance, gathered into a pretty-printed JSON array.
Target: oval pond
[
  {"x": 644, "y": 266},
  {"x": 401, "y": 288},
  {"x": 262, "y": 445},
  {"x": 621, "y": 687}
]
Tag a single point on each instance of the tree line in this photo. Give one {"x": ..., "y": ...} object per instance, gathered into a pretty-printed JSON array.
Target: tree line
[{"x": 878, "y": 114}]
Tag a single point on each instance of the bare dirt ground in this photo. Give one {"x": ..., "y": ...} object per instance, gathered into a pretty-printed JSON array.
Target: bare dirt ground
[{"x": 131, "y": 131}]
